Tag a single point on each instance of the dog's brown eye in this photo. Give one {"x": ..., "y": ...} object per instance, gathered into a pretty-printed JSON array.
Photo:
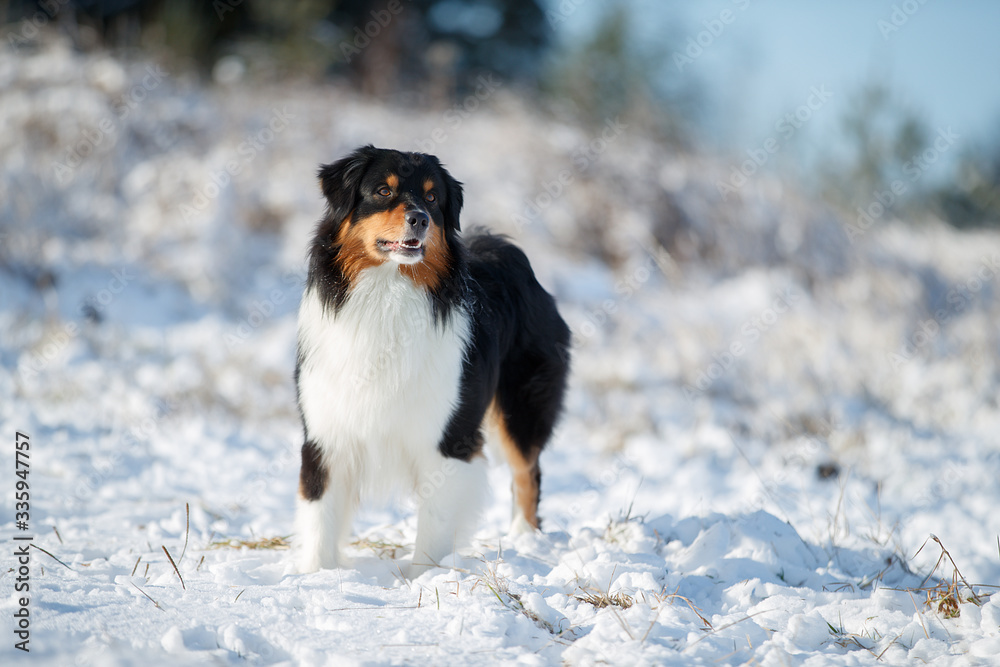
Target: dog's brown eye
[
  {"x": 384, "y": 191},
  {"x": 431, "y": 197}
]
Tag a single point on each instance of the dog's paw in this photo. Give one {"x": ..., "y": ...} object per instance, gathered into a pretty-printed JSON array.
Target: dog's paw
[
  {"x": 416, "y": 569},
  {"x": 520, "y": 526},
  {"x": 306, "y": 563}
]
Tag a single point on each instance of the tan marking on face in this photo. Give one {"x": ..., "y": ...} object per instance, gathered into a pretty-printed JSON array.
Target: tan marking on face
[
  {"x": 429, "y": 271},
  {"x": 428, "y": 185},
  {"x": 392, "y": 181},
  {"x": 524, "y": 468},
  {"x": 358, "y": 240}
]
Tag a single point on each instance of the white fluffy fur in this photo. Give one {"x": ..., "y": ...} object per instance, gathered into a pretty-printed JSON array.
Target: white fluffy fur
[{"x": 378, "y": 383}]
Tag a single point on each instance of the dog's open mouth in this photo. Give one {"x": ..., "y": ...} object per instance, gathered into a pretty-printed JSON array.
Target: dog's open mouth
[{"x": 409, "y": 246}]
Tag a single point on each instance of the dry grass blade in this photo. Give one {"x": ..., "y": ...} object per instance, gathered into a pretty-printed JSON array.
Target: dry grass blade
[
  {"x": 137, "y": 560},
  {"x": 52, "y": 557},
  {"x": 400, "y": 576},
  {"x": 155, "y": 603},
  {"x": 888, "y": 646},
  {"x": 726, "y": 626},
  {"x": 892, "y": 561},
  {"x": 919, "y": 615},
  {"x": 623, "y": 623},
  {"x": 652, "y": 624},
  {"x": 497, "y": 584},
  {"x": 187, "y": 529},
  {"x": 838, "y": 587},
  {"x": 697, "y": 612},
  {"x": 171, "y": 559},
  {"x": 765, "y": 487}
]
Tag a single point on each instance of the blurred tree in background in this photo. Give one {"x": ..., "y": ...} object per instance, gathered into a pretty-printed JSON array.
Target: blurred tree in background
[
  {"x": 609, "y": 73},
  {"x": 384, "y": 46},
  {"x": 891, "y": 157},
  {"x": 444, "y": 43},
  {"x": 428, "y": 52},
  {"x": 881, "y": 138},
  {"x": 972, "y": 199}
]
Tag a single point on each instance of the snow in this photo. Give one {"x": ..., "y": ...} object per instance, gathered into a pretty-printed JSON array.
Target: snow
[{"x": 147, "y": 343}]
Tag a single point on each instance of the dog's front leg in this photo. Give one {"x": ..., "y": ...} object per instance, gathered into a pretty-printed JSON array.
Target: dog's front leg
[
  {"x": 451, "y": 494},
  {"x": 323, "y": 514}
]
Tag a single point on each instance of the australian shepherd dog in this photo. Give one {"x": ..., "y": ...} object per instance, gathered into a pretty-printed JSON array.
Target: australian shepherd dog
[{"x": 411, "y": 342}]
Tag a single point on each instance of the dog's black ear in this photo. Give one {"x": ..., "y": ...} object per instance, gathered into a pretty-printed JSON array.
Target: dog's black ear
[
  {"x": 452, "y": 201},
  {"x": 339, "y": 182}
]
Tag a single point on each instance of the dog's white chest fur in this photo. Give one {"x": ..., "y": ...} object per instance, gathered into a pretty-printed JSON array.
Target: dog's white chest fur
[{"x": 379, "y": 379}]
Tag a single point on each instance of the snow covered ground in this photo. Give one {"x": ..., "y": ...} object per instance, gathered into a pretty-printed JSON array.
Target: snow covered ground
[{"x": 765, "y": 424}]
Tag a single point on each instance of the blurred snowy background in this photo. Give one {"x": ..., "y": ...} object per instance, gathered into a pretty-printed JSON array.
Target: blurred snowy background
[{"x": 773, "y": 230}]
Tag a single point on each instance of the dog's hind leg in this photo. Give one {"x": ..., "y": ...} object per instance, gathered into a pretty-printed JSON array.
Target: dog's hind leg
[
  {"x": 526, "y": 475},
  {"x": 525, "y": 410}
]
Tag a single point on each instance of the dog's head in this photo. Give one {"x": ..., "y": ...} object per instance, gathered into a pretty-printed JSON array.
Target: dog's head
[{"x": 386, "y": 205}]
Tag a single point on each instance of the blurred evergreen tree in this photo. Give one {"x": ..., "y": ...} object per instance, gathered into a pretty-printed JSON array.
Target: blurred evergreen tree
[
  {"x": 435, "y": 39},
  {"x": 881, "y": 138},
  {"x": 386, "y": 46},
  {"x": 972, "y": 199},
  {"x": 609, "y": 74}
]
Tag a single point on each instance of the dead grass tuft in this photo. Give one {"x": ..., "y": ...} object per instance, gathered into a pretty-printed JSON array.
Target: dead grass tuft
[
  {"x": 276, "y": 543},
  {"x": 500, "y": 587},
  {"x": 619, "y": 530},
  {"x": 947, "y": 595},
  {"x": 602, "y": 599},
  {"x": 381, "y": 547}
]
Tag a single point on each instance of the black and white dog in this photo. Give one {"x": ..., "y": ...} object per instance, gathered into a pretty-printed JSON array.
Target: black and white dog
[{"x": 411, "y": 340}]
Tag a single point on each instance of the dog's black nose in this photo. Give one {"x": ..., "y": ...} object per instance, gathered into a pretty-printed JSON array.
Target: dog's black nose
[{"x": 417, "y": 219}]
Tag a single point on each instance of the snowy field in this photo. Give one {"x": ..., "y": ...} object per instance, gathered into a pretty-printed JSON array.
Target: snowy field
[{"x": 767, "y": 420}]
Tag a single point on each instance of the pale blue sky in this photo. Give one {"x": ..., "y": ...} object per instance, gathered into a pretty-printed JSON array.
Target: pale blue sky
[{"x": 943, "y": 62}]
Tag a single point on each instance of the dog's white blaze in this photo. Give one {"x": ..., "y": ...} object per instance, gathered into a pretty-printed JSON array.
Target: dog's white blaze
[{"x": 379, "y": 381}]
